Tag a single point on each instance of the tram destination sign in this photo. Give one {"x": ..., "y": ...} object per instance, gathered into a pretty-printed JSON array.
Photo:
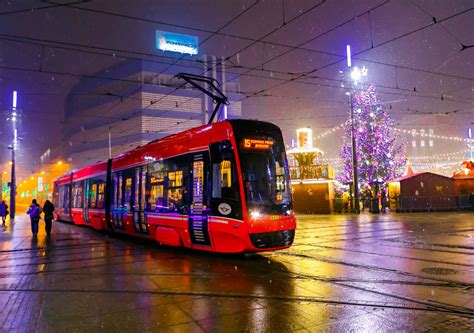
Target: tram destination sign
[
  {"x": 170, "y": 41},
  {"x": 259, "y": 144}
]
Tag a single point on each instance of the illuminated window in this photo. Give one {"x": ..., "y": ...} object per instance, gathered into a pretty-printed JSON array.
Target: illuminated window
[
  {"x": 413, "y": 143},
  {"x": 155, "y": 200},
  {"x": 226, "y": 174},
  {"x": 128, "y": 192},
  {"x": 431, "y": 143},
  {"x": 77, "y": 192},
  {"x": 422, "y": 143},
  {"x": 101, "y": 195},
  {"x": 166, "y": 186},
  {"x": 93, "y": 196},
  {"x": 224, "y": 181}
]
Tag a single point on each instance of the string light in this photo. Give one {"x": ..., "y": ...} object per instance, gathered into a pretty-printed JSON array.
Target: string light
[
  {"x": 433, "y": 136},
  {"x": 401, "y": 131},
  {"x": 439, "y": 156}
]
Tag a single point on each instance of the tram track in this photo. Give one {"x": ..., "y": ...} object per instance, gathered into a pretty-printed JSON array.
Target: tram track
[
  {"x": 391, "y": 255},
  {"x": 226, "y": 275},
  {"x": 460, "y": 285},
  {"x": 163, "y": 292},
  {"x": 418, "y": 233},
  {"x": 375, "y": 268}
]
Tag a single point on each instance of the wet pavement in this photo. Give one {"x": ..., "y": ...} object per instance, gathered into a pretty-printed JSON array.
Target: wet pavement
[{"x": 395, "y": 272}]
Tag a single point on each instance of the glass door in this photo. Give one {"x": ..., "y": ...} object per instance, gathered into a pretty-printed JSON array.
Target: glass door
[
  {"x": 198, "y": 224},
  {"x": 138, "y": 208},
  {"x": 85, "y": 206},
  {"x": 117, "y": 209}
]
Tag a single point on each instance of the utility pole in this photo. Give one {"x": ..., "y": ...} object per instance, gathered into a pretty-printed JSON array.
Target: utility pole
[
  {"x": 12, "y": 185},
  {"x": 12, "y": 147},
  {"x": 355, "y": 180},
  {"x": 110, "y": 142}
]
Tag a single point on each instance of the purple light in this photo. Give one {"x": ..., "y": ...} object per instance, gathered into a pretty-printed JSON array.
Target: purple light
[
  {"x": 14, "y": 99},
  {"x": 348, "y": 52}
]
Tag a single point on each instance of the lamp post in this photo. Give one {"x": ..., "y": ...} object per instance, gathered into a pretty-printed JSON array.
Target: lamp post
[
  {"x": 12, "y": 147},
  {"x": 356, "y": 75},
  {"x": 12, "y": 185}
]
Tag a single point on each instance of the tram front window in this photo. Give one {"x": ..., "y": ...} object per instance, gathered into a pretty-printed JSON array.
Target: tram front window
[{"x": 265, "y": 175}]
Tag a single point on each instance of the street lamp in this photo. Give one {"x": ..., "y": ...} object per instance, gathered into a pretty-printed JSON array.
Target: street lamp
[
  {"x": 12, "y": 147},
  {"x": 12, "y": 184},
  {"x": 356, "y": 75}
]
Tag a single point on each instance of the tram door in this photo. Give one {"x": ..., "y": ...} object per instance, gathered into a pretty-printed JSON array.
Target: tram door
[
  {"x": 197, "y": 222},
  {"x": 138, "y": 201},
  {"x": 118, "y": 210},
  {"x": 85, "y": 206}
]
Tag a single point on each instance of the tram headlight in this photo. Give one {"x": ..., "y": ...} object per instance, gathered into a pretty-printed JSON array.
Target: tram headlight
[{"x": 255, "y": 214}]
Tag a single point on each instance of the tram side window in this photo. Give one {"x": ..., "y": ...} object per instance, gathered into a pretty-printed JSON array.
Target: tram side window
[
  {"x": 77, "y": 194},
  {"x": 92, "y": 195},
  {"x": 101, "y": 195},
  {"x": 166, "y": 186},
  {"x": 96, "y": 193},
  {"x": 60, "y": 198},
  {"x": 127, "y": 193},
  {"x": 224, "y": 176}
]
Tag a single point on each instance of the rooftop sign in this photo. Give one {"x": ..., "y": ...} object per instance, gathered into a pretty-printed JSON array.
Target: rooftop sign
[{"x": 169, "y": 41}]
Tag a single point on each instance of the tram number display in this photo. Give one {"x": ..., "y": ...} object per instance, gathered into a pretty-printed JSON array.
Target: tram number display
[{"x": 258, "y": 144}]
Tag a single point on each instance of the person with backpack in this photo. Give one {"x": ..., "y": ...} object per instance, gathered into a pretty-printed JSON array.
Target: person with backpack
[
  {"x": 48, "y": 209},
  {"x": 35, "y": 212}
]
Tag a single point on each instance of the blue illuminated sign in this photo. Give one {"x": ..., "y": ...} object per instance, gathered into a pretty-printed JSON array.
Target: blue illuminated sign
[{"x": 169, "y": 41}]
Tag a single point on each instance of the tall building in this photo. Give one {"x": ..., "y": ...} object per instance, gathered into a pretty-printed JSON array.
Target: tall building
[{"x": 142, "y": 101}]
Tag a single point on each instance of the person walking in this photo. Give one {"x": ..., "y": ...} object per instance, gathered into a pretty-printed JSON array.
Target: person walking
[
  {"x": 383, "y": 199},
  {"x": 48, "y": 209},
  {"x": 35, "y": 212},
  {"x": 3, "y": 211}
]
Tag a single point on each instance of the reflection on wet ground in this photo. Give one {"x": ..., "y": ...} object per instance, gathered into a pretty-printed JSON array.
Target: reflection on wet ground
[{"x": 411, "y": 272}]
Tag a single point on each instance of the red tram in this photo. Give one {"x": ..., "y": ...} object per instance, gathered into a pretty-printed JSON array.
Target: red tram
[{"x": 222, "y": 187}]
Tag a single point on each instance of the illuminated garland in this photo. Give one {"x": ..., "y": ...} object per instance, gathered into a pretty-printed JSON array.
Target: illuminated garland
[
  {"x": 379, "y": 157},
  {"x": 341, "y": 126}
]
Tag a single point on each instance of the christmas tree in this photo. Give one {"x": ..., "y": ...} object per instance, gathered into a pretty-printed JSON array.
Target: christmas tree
[{"x": 379, "y": 156}]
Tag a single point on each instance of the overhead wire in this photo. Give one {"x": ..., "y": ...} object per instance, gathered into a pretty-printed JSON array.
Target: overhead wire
[
  {"x": 371, "y": 48},
  {"x": 293, "y": 80}
]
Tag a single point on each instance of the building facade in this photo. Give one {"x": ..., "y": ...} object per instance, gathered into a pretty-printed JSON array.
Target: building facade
[{"x": 140, "y": 101}]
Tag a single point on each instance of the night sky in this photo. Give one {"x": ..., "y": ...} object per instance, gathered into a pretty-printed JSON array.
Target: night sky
[{"x": 419, "y": 54}]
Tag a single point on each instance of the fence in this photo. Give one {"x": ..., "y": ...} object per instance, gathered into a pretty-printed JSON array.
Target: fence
[
  {"x": 417, "y": 204},
  {"x": 431, "y": 204}
]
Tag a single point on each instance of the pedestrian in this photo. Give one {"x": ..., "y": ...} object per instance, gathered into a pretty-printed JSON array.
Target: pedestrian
[
  {"x": 383, "y": 199},
  {"x": 48, "y": 209},
  {"x": 35, "y": 212},
  {"x": 3, "y": 211},
  {"x": 471, "y": 200}
]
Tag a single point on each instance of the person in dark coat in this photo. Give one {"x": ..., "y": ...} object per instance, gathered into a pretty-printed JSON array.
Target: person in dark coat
[
  {"x": 3, "y": 211},
  {"x": 383, "y": 199},
  {"x": 48, "y": 209},
  {"x": 35, "y": 213}
]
